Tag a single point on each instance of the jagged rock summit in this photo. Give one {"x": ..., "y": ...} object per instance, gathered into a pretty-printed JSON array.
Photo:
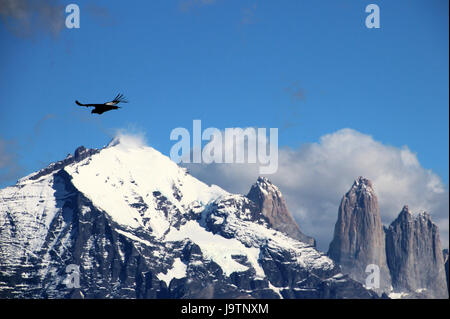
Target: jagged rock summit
[
  {"x": 359, "y": 239},
  {"x": 414, "y": 256},
  {"x": 138, "y": 226},
  {"x": 272, "y": 205},
  {"x": 408, "y": 252}
]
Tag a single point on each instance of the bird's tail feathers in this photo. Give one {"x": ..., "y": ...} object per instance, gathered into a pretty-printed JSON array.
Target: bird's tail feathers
[{"x": 120, "y": 99}]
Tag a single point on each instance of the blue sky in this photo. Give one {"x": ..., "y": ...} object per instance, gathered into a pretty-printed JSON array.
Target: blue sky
[{"x": 307, "y": 67}]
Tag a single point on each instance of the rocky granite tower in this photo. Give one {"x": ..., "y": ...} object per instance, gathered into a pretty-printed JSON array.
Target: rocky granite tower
[
  {"x": 359, "y": 239},
  {"x": 415, "y": 257},
  {"x": 272, "y": 205},
  {"x": 136, "y": 225}
]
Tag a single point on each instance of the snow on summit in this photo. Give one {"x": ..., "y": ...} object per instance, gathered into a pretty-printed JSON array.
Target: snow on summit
[
  {"x": 127, "y": 215},
  {"x": 127, "y": 174}
]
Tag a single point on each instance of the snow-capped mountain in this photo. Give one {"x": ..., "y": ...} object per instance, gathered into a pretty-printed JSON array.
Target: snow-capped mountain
[{"x": 139, "y": 226}]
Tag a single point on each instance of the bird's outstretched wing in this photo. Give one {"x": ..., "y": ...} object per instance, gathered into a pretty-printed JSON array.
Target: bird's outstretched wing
[
  {"x": 118, "y": 99},
  {"x": 81, "y": 104}
]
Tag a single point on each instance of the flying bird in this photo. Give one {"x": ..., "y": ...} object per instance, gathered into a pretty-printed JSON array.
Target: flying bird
[{"x": 107, "y": 106}]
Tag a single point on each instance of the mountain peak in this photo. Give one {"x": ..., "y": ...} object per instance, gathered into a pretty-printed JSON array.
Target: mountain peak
[
  {"x": 126, "y": 173},
  {"x": 413, "y": 249},
  {"x": 79, "y": 154},
  {"x": 263, "y": 180},
  {"x": 406, "y": 211},
  {"x": 358, "y": 234},
  {"x": 424, "y": 216},
  {"x": 79, "y": 151},
  {"x": 127, "y": 141},
  {"x": 363, "y": 180},
  {"x": 272, "y": 206},
  {"x": 362, "y": 183},
  {"x": 265, "y": 185},
  {"x": 138, "y": 226}
]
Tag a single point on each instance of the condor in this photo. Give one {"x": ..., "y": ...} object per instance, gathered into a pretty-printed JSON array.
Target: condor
[{"x": 107, "y": 106}]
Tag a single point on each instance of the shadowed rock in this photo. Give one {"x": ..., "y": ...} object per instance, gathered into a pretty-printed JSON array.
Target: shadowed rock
[
  {"x": 220, "y": 248},
  {"x": 80, "y": 154},
  {"x": 272, "y": 205},
  {"x": 359, "y": 239},
  {"x": 415, "y": 256}
]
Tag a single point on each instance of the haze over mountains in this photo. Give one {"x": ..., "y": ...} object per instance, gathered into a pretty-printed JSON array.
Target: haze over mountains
[{"x": 139, "y": 226}]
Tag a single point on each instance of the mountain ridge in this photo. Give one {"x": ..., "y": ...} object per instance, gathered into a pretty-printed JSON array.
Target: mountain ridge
[
  {"x": 138, "y": 226},
  {"x": 271, "y": 203},
  {"x": 415, "y": 256},
  {"x": 407, "y": 252}
]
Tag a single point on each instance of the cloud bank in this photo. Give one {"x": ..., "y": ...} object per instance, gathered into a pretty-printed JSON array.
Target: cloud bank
[{"x": 314, "y": 177}]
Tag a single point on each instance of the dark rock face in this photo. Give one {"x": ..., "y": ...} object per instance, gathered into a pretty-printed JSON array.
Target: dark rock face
[
  {"x": 48, "y": 224},
  {"x": 290, "y": 280},
  {"x": 111, "y": 265},
  {"x": 80, "y": 154},
  {"x": 415, "y": 256},
  {"x": 408, "y": 252},
  {"x": 272, "y": 206},
  {"x": 359, "y": 239}
]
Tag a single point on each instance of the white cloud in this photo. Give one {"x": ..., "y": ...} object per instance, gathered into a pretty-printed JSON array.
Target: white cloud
[
  {"x": 314, "y": 177},
  {"x": 128, "y": 139}
]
